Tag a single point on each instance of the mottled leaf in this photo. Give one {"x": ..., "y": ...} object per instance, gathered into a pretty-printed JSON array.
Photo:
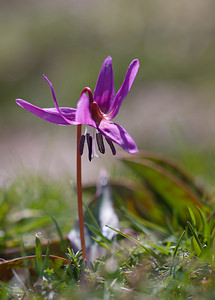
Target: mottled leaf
[{"x": 174, "y": 190}]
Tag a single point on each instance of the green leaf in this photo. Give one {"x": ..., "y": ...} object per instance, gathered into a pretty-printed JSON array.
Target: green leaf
[
  {"x": 175, "y": 252},
  {"x": 62, "y": 239},
  {"x": 143, "y": 225},
  {"x": 97, "y": 233},
  {"x": 45, "y": 264},
  {"x": 206, "y": 229},
  {"x": 150, "y": 251},
  {"x": 195, "y": 240},
  {"x": 192, "y": 215},
  {"x": 39, "y": 260},
  {"x": 138, "y": 200},
  {"x": 174, "y": 190}
]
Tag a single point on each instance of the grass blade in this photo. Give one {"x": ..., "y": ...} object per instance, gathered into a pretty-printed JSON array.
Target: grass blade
[
  {"x": 39, "y": 259},
  {"x": 193, "y": 231},
  {"x": 206, "y": 229},
  {"x": 46, "y": 259},
  {"x": 175, "y": 252},
  {"x": 63, "y": 244},
  {"x": 135, "y": 241},
  {"x": 192, "y": 216}
]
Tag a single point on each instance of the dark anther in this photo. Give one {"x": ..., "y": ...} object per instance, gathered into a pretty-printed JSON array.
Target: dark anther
[
  {"x": 90, "y": 145},
  {"x": 81, "y": 144},
  {"x": 100, "y": 143},
  {"x": 113, "y": 149}
]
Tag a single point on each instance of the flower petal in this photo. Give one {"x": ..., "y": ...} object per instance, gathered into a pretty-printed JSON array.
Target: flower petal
[
  {"x": 83, "y": 114},
  {"x": 56, "y": 104},
  {"x": 126, "y": 85},
  {"x": 50, "y": 114},
  {"x": 104, "y": 92},
  {"x": 117, "y": 134}
]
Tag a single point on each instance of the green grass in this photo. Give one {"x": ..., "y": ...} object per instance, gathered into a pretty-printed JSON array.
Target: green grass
[{"x": 149, "y": 257}]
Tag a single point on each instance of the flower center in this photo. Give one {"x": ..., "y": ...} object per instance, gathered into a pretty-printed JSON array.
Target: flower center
[
  {"x": 95, "y": 111},
  {"x": 97, "y": 117}
]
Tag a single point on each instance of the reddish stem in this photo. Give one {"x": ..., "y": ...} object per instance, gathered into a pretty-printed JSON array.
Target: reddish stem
[{"x": 79, "y": 195}]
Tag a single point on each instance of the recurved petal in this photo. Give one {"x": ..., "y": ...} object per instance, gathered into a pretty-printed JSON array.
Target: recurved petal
[
  {"x": 124, "y": 89},
  {"x": 104, "y": 92},
  {"x": 83, "y": 114},
  {"x": 117, "y": 134},
  {"x": 56, "y": 104},
  {"x": 50, "y": 114}
]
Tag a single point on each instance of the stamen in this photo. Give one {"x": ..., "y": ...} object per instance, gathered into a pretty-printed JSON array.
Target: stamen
[
  {"x": 89, "y": 144},
  {"x": 81, "y": 144},
  {"x": 112, "y": 147},
  {"x": 100, "y": 143}
]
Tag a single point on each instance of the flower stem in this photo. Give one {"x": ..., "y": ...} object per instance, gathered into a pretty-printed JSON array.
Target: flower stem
[{"x": 79, "y": 194}]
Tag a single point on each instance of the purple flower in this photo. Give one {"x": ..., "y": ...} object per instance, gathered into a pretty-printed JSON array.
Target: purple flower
[{"x": 96, "y": 110}]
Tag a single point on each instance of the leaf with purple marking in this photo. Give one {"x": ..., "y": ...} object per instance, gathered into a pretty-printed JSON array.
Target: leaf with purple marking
[{"x": 174, "y": 189}]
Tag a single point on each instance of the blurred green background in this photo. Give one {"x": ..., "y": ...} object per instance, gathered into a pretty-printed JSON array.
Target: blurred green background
[{"x": 172, "y": 99}]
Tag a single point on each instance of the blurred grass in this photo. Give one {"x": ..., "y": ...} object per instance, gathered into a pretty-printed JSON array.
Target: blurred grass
[{"x": 27, "y": 204}]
